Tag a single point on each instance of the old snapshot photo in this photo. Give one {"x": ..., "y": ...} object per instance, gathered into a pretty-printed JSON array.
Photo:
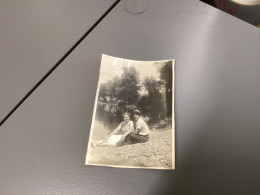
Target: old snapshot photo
[{"x": 133, "y": 118}]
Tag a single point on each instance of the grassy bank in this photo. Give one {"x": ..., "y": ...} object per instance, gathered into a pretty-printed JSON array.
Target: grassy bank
[{"x": 157, "y": 152}]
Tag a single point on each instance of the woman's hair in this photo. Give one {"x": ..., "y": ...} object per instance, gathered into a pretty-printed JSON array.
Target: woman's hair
[{"x": 126, "y": 113}]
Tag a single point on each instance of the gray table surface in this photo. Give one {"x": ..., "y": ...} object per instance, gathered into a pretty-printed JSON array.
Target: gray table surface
[
  {"x": 217, "y": 106},
  {"x": 34, "y": 36}
]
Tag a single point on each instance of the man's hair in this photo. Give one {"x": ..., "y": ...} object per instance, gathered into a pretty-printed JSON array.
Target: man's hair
[{"x": 137, "y": 112}]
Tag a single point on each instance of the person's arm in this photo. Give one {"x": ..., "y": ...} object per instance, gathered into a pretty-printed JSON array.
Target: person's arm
[
  {"x": 115, "y": 131},
  {"x": 131, "y": 129},
  {"x": 135, "y": 130},
  {"x": 140, "y": 126},
  {"x": 138, "y": 129}
]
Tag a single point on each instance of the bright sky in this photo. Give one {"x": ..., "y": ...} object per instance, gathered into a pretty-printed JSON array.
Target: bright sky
[{"x": 112, "y": 66}]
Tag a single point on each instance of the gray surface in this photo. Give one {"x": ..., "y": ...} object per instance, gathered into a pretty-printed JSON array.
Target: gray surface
[
  {"x": 217, "y": 105},
  {"x": 35, "y": 34}
]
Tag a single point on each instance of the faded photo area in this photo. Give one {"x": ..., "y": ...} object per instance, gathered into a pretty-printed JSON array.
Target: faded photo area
[{"x": 133, "y": 117}]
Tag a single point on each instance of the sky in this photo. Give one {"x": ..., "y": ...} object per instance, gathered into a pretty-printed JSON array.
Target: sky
[{"x": 112, "y": 66}]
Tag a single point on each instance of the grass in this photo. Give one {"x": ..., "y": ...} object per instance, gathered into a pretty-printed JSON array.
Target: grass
[{"x": 157, "y": 152}]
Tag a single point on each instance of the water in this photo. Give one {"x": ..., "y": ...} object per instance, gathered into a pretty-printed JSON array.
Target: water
[{"x": 101, "y": 132}]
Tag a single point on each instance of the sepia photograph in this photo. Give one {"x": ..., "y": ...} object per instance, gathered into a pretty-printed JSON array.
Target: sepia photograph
[{"x": 133, "y": 117}]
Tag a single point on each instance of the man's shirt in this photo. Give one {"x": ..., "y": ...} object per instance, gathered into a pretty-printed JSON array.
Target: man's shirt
[{"x": 141, "y": 127}]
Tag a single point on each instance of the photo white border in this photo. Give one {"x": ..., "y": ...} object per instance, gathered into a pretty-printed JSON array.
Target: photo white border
[{"x": 94, "y": 116}]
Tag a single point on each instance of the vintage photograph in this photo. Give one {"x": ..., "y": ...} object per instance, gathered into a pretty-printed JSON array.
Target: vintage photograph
[{"x": 133, "y": 117}]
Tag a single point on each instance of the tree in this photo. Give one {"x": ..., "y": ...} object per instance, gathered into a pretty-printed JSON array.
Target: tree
[
  {"x": 152, "y": 103},
  {"x": 129, "y": 86},
  {"x": 109, "y": 89},
  {"x": 112, "y": 88},
  {"x": 152, "y": 86},
  {"x": 102, "y": 91},
  {"x": 166, "y": 78}
]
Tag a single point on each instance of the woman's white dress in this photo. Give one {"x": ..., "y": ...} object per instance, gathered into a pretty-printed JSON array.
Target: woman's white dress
[
  {"x": 114, "y": 139},
  {"x": 125, "y": 127}
]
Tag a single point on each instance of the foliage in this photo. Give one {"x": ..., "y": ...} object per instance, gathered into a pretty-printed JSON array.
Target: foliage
[
  {"x": 112, "y": 87},
  {"x": 122, "y": 94},
  {"x": 102, "y": 90},
  {"x": 166, "y": 74},
  {"x": 152, "y": 103},
  {"x": 109, "y": 89},
  {"x": 166, "y": 77},
  {"x": 152, "y": 86},
  {"x": 129, "y": 87}
]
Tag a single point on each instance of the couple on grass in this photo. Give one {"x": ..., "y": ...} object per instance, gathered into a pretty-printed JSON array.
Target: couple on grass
[{"x": 133, "y": 132}]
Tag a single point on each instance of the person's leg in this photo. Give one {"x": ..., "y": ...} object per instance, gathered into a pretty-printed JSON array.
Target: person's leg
[
  {"x": 96, "y": 143},
  {"x": 127, "y": 140},
  {"x": 138, "y": 138},
  {"x": 121, "y": 141},
  {"x": 104, "y": 144}
]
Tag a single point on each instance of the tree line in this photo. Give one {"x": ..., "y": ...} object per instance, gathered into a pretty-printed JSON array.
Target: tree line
[{"x": 126, "y": 90}]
